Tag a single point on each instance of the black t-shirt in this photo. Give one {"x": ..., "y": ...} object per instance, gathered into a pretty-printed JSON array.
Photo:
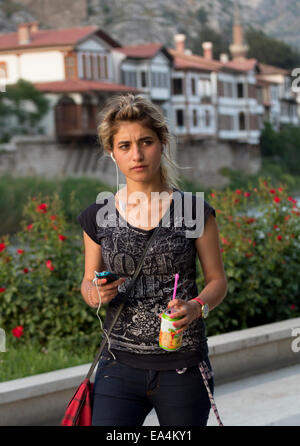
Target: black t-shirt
[{"x": 134, "y": 338}]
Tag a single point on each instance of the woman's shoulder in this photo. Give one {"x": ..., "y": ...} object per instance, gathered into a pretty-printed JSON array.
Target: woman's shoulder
[
  {"x": 194, "y": 199},
  {"x": 92, "y": 217}
]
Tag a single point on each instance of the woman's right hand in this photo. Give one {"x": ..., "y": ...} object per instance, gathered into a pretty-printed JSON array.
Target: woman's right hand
[{"x": 107, "y": 291}]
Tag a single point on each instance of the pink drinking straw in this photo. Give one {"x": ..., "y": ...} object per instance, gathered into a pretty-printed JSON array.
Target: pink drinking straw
[{"x": 175, "y": 288}]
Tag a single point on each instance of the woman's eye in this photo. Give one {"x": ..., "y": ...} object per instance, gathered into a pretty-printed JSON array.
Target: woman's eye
[{"x": 147, "y": 142}]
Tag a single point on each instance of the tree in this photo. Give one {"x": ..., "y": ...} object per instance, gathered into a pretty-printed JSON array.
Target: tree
[
  {"x": 271, "y": 51},
  {"x": 208, "y": 34},
  {"x": 22, "y": 107}
]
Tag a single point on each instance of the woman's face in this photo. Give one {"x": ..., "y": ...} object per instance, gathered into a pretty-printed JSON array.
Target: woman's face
[{"x": 137, "y": 145}]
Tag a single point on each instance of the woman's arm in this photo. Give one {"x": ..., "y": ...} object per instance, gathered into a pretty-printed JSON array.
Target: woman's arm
[
  {"x": 208, "y": 249},
  {"x": 94, "y": 262},
  {"x": 209, "y": 253}
]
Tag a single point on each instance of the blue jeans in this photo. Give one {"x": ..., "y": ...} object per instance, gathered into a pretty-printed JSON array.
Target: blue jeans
[{"x": 124, "y": 396}]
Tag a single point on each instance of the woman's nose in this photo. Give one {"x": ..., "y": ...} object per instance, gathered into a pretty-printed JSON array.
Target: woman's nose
[{"x": 137, "y": 153}]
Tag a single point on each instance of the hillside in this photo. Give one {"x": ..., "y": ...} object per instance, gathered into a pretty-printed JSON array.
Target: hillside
[{"x": 136, "y": 21}]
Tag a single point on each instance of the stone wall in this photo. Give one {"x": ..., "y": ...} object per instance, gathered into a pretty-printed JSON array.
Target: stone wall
[
  {"x": 44, "y": 156},
  {"x": 206, "y": 158}
]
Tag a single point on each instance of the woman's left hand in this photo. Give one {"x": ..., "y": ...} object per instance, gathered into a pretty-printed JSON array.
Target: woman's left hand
[{"x": 190, "y": 310}]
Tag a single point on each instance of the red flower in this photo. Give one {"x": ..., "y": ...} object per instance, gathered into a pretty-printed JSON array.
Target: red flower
[
  {"x": 292, "y": 306},
  {"x": 49, "y": 265},
  {"x": 42, "y": 207},
  {"x": 276, "y": 199},
  {"x": 20, "y": 251},
  {"x": 26, "y": 270},
  {"x": 18, "y": 331},
  {"x": 275, "y": 226},
  {"x": 55, "y": 227},
  {"x": 280, "y": 189},
  {"x": 287, "y": 217},
  {"x": 265, "y": 183},
  {"x": 225, "y": 241},
  {"x": 238, "y": 191},
  {"x": 219, "y": 211},
  {"x": 236, "y": 200},
  {"x": 53, "y": 217},
  {"x": 292, "y": 200},
  {"x": 29, "y": 227},
  {"x": 2, "y": 290},
  {"x": 249, "y": 254},
  {"x": 213, "y": 195},
  {"x": 272, "y": 191},
  {"x": 250, "y": 220},
  {"x": 279, "y": 237},
  {"x": 2, "y": 246},
  {"x": 247, "y": 194},
  {"x": 62, "y": 237},
  {"x": 255, "y": 189}
]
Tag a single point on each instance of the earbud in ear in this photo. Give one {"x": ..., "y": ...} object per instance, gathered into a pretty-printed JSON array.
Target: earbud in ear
[{"x": 112, "y": 157}]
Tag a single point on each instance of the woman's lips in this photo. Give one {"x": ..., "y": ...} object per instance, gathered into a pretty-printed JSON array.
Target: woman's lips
[{"x": 139, "y": 168}]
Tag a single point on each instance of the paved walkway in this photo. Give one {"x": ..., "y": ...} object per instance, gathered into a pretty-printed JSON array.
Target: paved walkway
[{"x": 269, "y": 399}]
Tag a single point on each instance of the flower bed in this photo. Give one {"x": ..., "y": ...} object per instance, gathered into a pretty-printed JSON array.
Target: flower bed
[{"x": 40, "y": 297}]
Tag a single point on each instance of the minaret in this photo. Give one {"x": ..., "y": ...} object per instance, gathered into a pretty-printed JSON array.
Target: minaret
[{"x": 238, "y": 48}]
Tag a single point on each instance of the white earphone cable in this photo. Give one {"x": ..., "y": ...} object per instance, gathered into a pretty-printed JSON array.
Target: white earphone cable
[
  {"x": 100, "y": 302},
  {"x": 95, "y": 278}
]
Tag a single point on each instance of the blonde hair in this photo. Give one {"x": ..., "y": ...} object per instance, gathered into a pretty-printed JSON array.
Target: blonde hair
[{"x": 131, "y": 107}]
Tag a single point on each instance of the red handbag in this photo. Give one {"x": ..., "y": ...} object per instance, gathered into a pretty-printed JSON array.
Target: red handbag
[{"x": 79, "y": 409}]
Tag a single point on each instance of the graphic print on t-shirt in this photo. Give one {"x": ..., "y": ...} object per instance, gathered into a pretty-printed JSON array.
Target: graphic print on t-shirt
[{"x": 138, "y": 326}]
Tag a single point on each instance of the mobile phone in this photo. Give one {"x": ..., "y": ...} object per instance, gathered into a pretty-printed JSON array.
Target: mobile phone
[{"x": 110, "y": 277}]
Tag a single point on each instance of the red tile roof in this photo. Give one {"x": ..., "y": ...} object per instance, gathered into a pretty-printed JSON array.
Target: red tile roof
[
  {"x": 195, "y": 61},
  {"x": 53, "y": 37},
  {"x": 242, "y": 64},
  {"x": 185, "y": 61},
  {"x": 144, "y": 51},
  {"x": 270, "y": 69},
  {"x": 78, "y": 86}
]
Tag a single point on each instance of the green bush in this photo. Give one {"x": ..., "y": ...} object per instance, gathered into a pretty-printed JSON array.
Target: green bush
[
  {"x": 284, "y": 146},
  {"x": 261, "y": 257},
  {"x": 75, "y": 195},
  {"x": 40, "y": 281}
]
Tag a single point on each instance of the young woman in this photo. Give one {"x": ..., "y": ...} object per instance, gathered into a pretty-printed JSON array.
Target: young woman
[{"x": 134, "y": 373}]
